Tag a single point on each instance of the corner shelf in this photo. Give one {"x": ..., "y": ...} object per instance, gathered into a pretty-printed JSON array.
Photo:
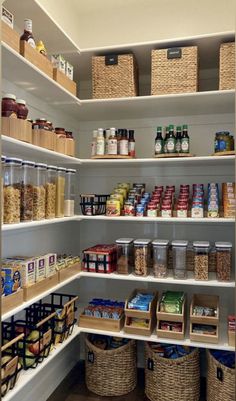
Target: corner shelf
[{"x": 36, "y": 224}]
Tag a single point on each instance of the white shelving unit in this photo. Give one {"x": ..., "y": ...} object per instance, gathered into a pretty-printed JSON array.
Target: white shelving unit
[
  {"x": 35, "y": 224},
  {"x": 171, "y": 220}
]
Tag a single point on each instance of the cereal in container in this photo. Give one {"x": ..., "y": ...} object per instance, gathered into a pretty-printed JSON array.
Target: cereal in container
[
  {"x": 39, "y": 194},
  {"x": 179, "y": 252},
  {"x": 142, "y": 256},
  {"x": 12, "y": 191},
  {"x": 60, "y": 191},
  {"x": 223, "y": 260},
  {"x": 27, "y": 190},
  {"x": 124, "y": 255},
  {"x": 51, "y": 192},
  {"x": 69, "y": 203},
  {"x": 160, "y": 258},
  {"x": 201, "y": 259}
]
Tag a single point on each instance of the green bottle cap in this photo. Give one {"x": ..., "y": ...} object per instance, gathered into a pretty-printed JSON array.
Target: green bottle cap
[
  {"x": 171, "y": 127},
  {"x": 178, "y": 128},
  {"x": 159, "y": 128},
  {"x": 185, "y": 126}
]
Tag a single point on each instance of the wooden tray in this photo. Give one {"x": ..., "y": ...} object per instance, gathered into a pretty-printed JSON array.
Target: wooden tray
[
  {"x": 225, "y": 153},
  {"x": 168, "y": 155},
  {"x": 17, "y": 129},
  {"x": 91, "y": 322},
  {"x": 143, "y": 331},
  {"x": 205, "y": 300},
  {"x": 171, "y": 334},
  {"x": 172, "y": 317},
  {"x": 112, "y": 157},
  {"x": 66, "y": 273},
  {"x": 10, "y": 37},
  {"x": 36, "y": 58},
  {"x": 205, "y": 338},
  {"x": 64, "y": 81},
  {"x": 231, "y": 337},
  {"x": 142, "y": 314},
  {"x": 41, "y": 286},
  {"x": 12, "y": 301}
]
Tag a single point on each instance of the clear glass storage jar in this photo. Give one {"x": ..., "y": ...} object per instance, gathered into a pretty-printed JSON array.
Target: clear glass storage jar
[
  {"x": 201, "y": 259},
  {"x": 179, "y": 252},
  {"x": 3, "y": 159},
  {"x": 223, "y": 260},
  {"x": 51, "y": 192},
  {"x": 12, "y": 190},
  {"x": 39, "y": 203},
  {"x": 160, "y": 257},
  {"x": 27, "y": 190},
  {"x": 60, "y": 191},
  {"x": 69, "y": 202},
  {"x": 124, "y": 255},
  {"x": 142, "y": 256}
]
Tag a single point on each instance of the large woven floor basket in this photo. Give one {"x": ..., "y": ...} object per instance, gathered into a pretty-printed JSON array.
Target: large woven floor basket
[
  {"x": 220, "y": 381},
  {"x": 227, "y": 66},
  {"x": 112, "y": 372},
  {"x": 114, "y": 76},
  {"x": 174, "y": 70},
  {"x": 172, "y": 379}
]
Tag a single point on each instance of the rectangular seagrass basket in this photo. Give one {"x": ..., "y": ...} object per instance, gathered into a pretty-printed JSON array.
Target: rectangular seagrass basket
[
  {"x": 227, "y": 66},
  {"x": 114, "y": 76},
  {"x": 174, "y": 70}
]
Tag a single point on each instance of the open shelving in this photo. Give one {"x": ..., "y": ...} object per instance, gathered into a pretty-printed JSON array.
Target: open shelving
[
  {"x": 35, "y": 224},
  {"x": 170, "y": 220}
]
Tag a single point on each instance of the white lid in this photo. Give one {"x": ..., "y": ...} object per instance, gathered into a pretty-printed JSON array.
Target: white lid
[
  {"x": 28, "y": 163},
  {"x": 70, "y": 170},
  {"x": 141, "y": 241},
  {"x": 124, "y": 240},
  {"x": 61, "y": 169},
  {"x": 21, "y": 101},
  {"x": 163, "y": 242},
  {"x": 179, "y": 243},
  {"x": 13, "y": 160},
  {"x": 201, "y": 244},
  {"x": 223, "y": 245},
  {"x": 3, "y": 158},
  {"x": 40, "y": 165},
  {"x": 52, "y": 167},
  {"x": 9, "y": 96}
]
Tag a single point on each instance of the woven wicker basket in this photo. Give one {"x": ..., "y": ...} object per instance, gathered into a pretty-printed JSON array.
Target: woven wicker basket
[
  {"x": 227, "y": 66},
  {"x": 172, "y": 379},
  {"x": 174, "y": 75},
  {"x": 114, "y": 80},
  {"x": 112, "y": 372},
  {"x": 219, "y": 390}
]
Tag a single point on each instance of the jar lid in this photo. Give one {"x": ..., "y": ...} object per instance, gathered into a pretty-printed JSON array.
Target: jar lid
[
  {"x": 201, "y": 244},
  {"x": 223, "y": 245},
  {"x": 59, "y": 129},
  {"x": 142, "y": 241},
  {"x": 13, "y": 160},
  {"x": 21, "y": 101},
  {"x": 70, "y": 170},
  {"x": 40, "y": 165},
  {"x": 3, "y": 158},
  {"x": 124, "y": 240},
  {"x": 9, "y": 96},
  {"x": 61, "y": 169},
  {"x": 41, "y": 119},
  {"x": 28, "y": 163},
  {"x": 179, "y": 243},
  {"x": 52, "y": 168},
  {"x": 163, "y": 242}
]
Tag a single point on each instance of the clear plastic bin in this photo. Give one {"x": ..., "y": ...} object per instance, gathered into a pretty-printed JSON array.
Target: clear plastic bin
[
  {"x": 27, "y": 190},
  {"x": 69, "y": 203},
  {"x": 160, "y": 258},
  {"x": 39, "y": 203},
  {"x": 51, "y": 192},
  {"x": 124, "y": 255},
  {"x": 60, "y": 191},
  {"x": 12, "y": 190},
  {"x": 179, "y": 251},
  {"x": 142, "y": 257},
  {"x": 223, "y": 260},
  {"x": 201, "y": 259}
]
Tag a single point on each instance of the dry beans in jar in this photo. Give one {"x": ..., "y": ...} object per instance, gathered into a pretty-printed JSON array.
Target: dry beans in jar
[
  {"x": 141, "y": 256},
  {"x": 12, "y": 190},
  {"x": 39, "y": 194},
  {"x": 201, "y": 259},
  {"x": 51, "y": 192},
  {"x": 223, "y": 260},
  {"x": 27, "y": 189}
]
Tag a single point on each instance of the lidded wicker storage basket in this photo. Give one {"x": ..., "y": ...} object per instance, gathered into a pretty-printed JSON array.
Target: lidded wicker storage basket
[
  {"x": 220, "y": 381},
  {"x": 227, "y": 66},
  {"x": 114, "y": 76},
  {"x": 174, "y": 70},
  {"x": 111, "y": 372},
  {"x": 172, "y": 379}
]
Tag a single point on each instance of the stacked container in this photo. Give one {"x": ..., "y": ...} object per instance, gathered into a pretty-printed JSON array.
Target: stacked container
[
  {"x": 124, "y": 255},
  {"x": 27, "y": 190},
  {"x": 39, "y": 194},
  {"x": 69, "y": 203},
  {"x": 160, "y": 261},
  {"x": 12, "y": 190},
  {"x": 179, "y": 249}
]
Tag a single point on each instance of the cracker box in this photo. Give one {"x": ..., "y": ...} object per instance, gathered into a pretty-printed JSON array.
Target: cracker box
[
  {"x": 51, "y": 264},
  {"x": 27, "y": 268},
  {"x": 69, "y": 70},
  {"x": 12, "y": 275},
  {"x": 40, "y": 263},
  {"x": 59, "y": 62}
]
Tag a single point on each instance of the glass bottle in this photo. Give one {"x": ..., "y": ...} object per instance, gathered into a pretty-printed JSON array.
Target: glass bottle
[
  {"x": 112, "y": 142},
  {"x": 27, "y": 36},
  {"x": 39, "y": 197},
  {"x": 27, "y": 191},
  {"x": 51, "y": 192},
  {"x": 159, "y": 142},
  {"x": 170, "y": 145},
  {"x": 124, "y": 144},
  {"x": 60, "y": 191},
  {"x": 119, "y": 135},
  {"x": 178, "y": 139},
  {"x": 69, "y": 203},
  {"x": 94, "y": 143},
  {"x": 100, "y": 148},
  {"x": 166, "y": 139},
  {"x": 131, "y": 143},
  {"x": 185, "y": 148}
]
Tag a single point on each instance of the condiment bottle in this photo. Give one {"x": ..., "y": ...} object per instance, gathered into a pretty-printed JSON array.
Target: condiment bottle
[
  {"x": 107, "y": 136},
  {"x": 69, "y": 203},
  {"x": 178, "y": 139},
  {"x": 9, "y": 106},
  {"x": 131, "y": 143},
  {"x": 22, "y": 111},
  {"x": 119, "y": 135},
  {"x": 112, "y": 142},
  {"x": 100, "y": 149},
  {"x": 60, "y": 191},
  {"x": 27, "y": 36},
  {"x": 124, "y": 144},
  {"x": 185, "y": 140},
  {"x": 166, "y": 139},
  {"x": 94, "y": 143},
  {"x": 170, "y": 144},
  {"x": 159, "y": 142}
]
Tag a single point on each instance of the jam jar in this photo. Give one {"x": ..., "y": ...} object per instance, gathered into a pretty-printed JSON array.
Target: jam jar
[
  {"x": 40, "y": 123},
  {"x": 9, "y": 106},
  {"x": 22, "y": 110}
]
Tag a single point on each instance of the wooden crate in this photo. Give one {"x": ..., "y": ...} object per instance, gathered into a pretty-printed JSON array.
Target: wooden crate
[
  {"x": 44, "y": 139},
  {"x": 205, "y": 300},
  {"x": 17, "y": 129},
  {"x": 12, "y": 301},
  {"x": 231, "y": 338},
  {"x": 91, "y": 322},
  {"x": 172, "y": 317},
  {"x": 143, "y": 331},
  {"x": 64, "y": 81},
  {"x": 36, "y": 58},
  {"x": 142, "y": 314},
  {"x": 10, "y": 37},
  {"x": 205, "y": 338},
  {"x": 171, "y": 334},
  {"x": 66, "y": 273},
  {"x": 40, "y": 287}
]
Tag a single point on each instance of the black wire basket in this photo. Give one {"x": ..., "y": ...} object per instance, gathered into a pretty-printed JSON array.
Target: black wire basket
[{"x": 93, "y": 205}]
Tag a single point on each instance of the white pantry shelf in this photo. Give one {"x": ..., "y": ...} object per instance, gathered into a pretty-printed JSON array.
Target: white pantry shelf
[
  {"x": 35, "y": 224},
  {"x": 171, "y": 220},
  {"x": 14, "y": 147}
]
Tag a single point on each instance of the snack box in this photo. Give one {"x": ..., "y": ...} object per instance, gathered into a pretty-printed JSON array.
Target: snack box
[
  {"x": 59, "y": 62},
  {"x": 113, "y": 208},
  {"x": 100, "y": 258},
  {"x": 69, "y": 70},
  {"x": 40, "y": 263},
  {"x": 27, "y": 269},
  {"x": 12, "y": 279},
  {"x": 50, "y": 263},
  {"x": 150, "y": 313}
]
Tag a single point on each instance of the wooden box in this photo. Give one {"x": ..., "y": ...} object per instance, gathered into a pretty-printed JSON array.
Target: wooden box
[
  {"x": 91, "y": 322},
  {"x": 66, "y": 273},
  {"x": 12, "y": 301},
  {"x": 205, "y": 338},
  {"x": 17, "y": 129},
  {"x": 36, "y": 58},
  {"x": 40, "y": 287},
  {"x": 171, "y": 334},
  {"x": 10, "y": 37},
  {"x": 144, "y": 331},
  {"x": 205, "y": 300},
  {"x": 64, "y": 81},
  {"x": 231, "y": 337},
  {"x": 171, "y": 317},
  {"x": 44, "y": 139},
  {"x": 142, "y": 314}
]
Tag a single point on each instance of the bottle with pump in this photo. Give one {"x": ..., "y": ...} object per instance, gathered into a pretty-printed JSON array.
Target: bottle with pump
[
  {"x": 171, "y": 140},
  {"x": 178, "y": 139},
  {"x": 94, "y": 143},
  {"x": 112, "y": 142},
  {"x": 124, "y": 143},
  {"x": 131, "y": 143},
  {"x": 27, "y": 36},
  {"x": 185, "y": 148},
  {"x": 100, "y": 149},
  {"x": 159, "y": 148}
]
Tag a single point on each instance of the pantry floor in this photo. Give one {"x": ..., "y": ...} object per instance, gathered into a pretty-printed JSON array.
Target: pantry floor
[{"x": 73, "y": 388}]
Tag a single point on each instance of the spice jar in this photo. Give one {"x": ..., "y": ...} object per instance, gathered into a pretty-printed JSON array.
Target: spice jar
[
  {"x": 60, "y": 140},
  {"x": 22, "y": 110},
  {"x": 60, "y": 191},
  {"x": 160, "y": 258},
  {"x": 223, "y": 260},
  {"x": 11, "y": 190},
  {"x": 51, "y": 192},
  {"x": 3, "y": 159},
  {"x": 69, "y": 203},
  {"x": 27, "y": 191},
  {"x": 141, "y": 256},
  {"x": 9, "y": 106},
  {"x": 70, "y": 144},
  {"x": 39, "y": 203},
  {"x": 124, "y": 255},
  {"x": 201, "y": 259},
  {"x": 179, "y": 252}
]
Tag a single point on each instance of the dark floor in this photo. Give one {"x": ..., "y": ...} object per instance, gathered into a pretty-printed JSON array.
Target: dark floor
[{"x": 73, "y": 388}]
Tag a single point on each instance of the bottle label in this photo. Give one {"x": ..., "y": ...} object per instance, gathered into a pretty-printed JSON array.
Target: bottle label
[
  {"x": 100, "y": 147},
  {"x": 185, "y": 145},
  {"x": 124, "y": 147},
  {"x": 158, "y": 147},
  {"x": 221, "y": 145},
  {"x": 112, "y": 147},
  {"x": 178, "y": 146},
  {"x": 171, "y": 145},
  {"x": 31, "y": 42},
  {"x": 132, "y": 149}
]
